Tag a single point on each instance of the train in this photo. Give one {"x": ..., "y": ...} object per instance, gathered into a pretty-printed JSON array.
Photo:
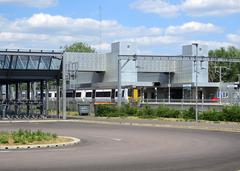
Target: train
[{"x": 100, "y": 95}]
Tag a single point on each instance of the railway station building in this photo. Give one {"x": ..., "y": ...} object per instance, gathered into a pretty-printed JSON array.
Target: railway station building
[{"x": 154, "y": 80}]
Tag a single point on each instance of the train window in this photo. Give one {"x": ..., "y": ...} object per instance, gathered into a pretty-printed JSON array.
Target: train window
[
  {"x": 55, "y": 94},
  {"x": 130, "y": 92},
  {"x": 69, "y": 95},
  {"x": 49, "y": 94},
  {"x": 116, "y": 94},
  {"x": 88, "y": 94},
  {"x": 103, "y": 94},
  {"x": 78, "y": 94}
]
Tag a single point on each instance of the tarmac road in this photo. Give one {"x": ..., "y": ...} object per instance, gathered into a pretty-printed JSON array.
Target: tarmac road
[{"x": 127, "y": 148}]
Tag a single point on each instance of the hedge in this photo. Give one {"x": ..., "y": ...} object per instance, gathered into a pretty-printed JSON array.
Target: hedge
[{"x": 228, "y": 113}]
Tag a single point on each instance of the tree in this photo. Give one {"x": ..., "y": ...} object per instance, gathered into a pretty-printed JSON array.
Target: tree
[
  {"x": 79, "y": 47},
  {"x": 229, "y": 75}
]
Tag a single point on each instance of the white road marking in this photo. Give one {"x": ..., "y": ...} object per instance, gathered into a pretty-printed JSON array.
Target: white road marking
[
  {"x": 113, "y": 139},
  {"x": 116, "y": 139}
]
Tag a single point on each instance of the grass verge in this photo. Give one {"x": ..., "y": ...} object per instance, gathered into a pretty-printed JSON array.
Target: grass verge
[{"x": 28, "y": 137}]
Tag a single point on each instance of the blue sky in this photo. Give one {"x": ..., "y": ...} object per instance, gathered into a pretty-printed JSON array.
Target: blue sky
[{"x": 157, "y": 26}]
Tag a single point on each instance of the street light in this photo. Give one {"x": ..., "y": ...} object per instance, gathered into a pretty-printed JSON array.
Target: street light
[{"x": 196, "y": 72}]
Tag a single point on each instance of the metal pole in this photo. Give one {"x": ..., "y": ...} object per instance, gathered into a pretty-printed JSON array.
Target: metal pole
[
  {"x": 41, "y": 96},
  {"x": 47, "y": 98},
  {"x": 196, "y": 95},
  {"x": 119, "y": 84},
  {"x": 169, "y": 88},
  {"x": 64, "y": 87},
  {"x": 58, "y": 98},
  {"x": 28, "y": 99},
  {"x": 156, "y": 94},
  {"x": 220, "y": 83}
]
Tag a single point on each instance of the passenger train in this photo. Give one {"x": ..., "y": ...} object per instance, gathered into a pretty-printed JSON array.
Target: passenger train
[{"x": 100, "y": 95}]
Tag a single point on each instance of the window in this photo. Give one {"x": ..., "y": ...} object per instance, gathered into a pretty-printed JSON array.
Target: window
[
  {"x": 103, "y": 94},
  {"x": 33, "y": 62},
  {"x": 49, "y": 94},
  {"x": 70, "y": 94},
  {"x": 116, "y": 93},
  {"x": 88, "y": 94},
  {"x": 78, "y": 94},
  {"x": 2, "y": 59},
  {"x": 22, "y": 62},
  {"x": 55, "y": 64}
]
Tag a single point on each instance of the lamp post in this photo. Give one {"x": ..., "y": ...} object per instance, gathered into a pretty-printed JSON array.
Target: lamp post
[
  {"x": 169, "y": 84},
  {"x": 196, "y": 72},
  {"x": 119, "y": 84}
]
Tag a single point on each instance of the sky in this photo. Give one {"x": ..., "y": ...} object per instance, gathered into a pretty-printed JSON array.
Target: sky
[{"x": 156, "y": 26}]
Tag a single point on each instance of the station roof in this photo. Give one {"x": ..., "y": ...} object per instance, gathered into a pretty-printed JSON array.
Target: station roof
[{"x": 21, "y": 65}]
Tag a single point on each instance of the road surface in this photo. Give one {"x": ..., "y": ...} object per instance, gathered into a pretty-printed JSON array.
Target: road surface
[{"x": 126, "y": 148}]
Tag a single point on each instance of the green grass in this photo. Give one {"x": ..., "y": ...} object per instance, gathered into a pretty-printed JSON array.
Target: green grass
[{"x": 22, "y": 137}]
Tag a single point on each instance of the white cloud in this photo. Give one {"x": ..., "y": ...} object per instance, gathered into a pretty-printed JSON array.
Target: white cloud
[
  {"x": 193, "y": 27},
  {"x": 235, "y": 38},
  {"x": 155, "y": 40},
  {"x": 211, "y": 7},
  {"x": 189, "y": 7},
  {"x": 102, "y": 46},
  {"x": 213, "y": 44},
  {"x": 159, "y": 7},
  {"x": 60, "y": 30},
  {"x": 31, "y": 3},
  {"x": 45, "y": 31}
]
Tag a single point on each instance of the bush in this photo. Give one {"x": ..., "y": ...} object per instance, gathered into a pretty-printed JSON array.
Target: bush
[
  {"x": 25, "y": 136},
  {"x": 3, "y": 137},
  {"x": 105, "y": 110},
  {"x": 146, "y": 112},
  {"x": 129, "y": 110},
  {"x": 231, "y": 113},
  {"x": 188, "y": 114},
  {"x": 166, "y": 112},
  {"x": 211, "y": 115}
]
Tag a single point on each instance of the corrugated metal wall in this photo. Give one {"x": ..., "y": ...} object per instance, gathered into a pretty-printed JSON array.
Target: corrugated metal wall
[
  {"x": 155, "y": 66},
  {"x": 85, "y": 61}
]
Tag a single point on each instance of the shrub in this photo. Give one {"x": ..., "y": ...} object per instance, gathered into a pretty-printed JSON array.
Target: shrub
[
  {"x": 212, "y": 115},
  {"x": 26, "y": 136},
  {"x": 129, "y": 110},
  {"x": 146, "y": 112},
  {"x": 105, "y": 110},
  {"x": 166, "y": 112},
  {"x": 231, "y": 113},
  {"x": 3, "y": 137},
  {"x": 188, "y": 114}
]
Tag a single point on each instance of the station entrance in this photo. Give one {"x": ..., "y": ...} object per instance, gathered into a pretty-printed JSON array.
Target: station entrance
[{"x": 24, "y": 83}]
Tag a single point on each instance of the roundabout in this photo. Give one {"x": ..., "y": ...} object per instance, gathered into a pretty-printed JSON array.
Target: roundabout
[
  {"x": 121, "y": 147},
  {"x": 65, "y": 141}
]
